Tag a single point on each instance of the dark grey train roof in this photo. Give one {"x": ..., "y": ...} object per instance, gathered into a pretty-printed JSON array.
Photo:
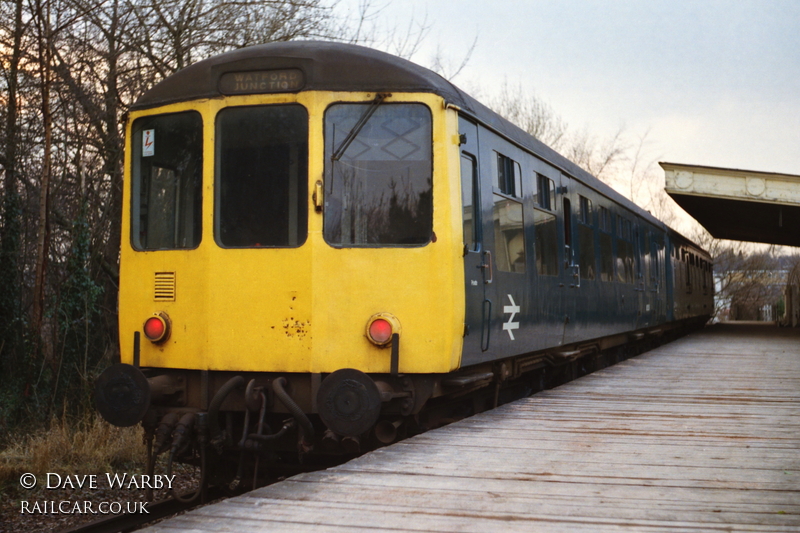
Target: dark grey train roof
[
  {"x": 346, "y": 67},
  {"x": 326, "y": 66}
]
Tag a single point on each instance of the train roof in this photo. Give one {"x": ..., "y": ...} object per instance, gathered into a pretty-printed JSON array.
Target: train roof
[
  {"x": 326, "y": 66},
  {"x": 331, "y": 66}
]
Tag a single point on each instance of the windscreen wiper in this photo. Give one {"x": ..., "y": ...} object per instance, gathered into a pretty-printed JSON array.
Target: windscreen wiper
[{"x": 373, "y": 106}]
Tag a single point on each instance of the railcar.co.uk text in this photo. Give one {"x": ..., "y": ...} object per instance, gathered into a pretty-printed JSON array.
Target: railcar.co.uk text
[{"x": 56, "y": 481}]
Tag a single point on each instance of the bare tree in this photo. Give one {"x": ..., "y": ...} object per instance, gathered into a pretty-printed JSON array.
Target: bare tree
[
  {"x": 599, "y": 157},
  {"x": 602, "y": 158},
  {"x": 639, "y": 177},
  {"x": 10, "y": 228},
  {"x": 45, "y": 38},
  {"x": 748, "y": 282},
  {"x": 70, "y": 70},
  {"x": 615, "y": 160},
  {"x": 748, "y": 277},
  {"x": 172, "y": 34},
  {"x": 532, "y": 114}
]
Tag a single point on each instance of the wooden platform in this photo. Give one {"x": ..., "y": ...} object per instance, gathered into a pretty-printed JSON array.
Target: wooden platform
[{"x": 699, "y": 435}]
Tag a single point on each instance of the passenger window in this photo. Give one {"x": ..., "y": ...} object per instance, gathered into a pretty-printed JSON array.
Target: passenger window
[
  {"x": 586, "y": 239},
  {"x": 569, "y": 259},
  {"x": 507, "y": 176},
  {"x": 606, "y": 246},
  {"x": 703, "y": 273},
  {"x": 658, "y": 260},
  {"x": 378, "y": 175},
  {"x": 546, "y": 244},
  {"x": 545, "y": 192},
  {"x": 586, "y": 210},
  {"x": 262, "y": 176},
  {"x": 509, "y": 234},
  {"x": 625, "y": 256}
]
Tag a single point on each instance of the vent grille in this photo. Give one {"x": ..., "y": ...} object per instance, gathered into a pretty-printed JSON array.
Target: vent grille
[{"x": 164, "y": 287}]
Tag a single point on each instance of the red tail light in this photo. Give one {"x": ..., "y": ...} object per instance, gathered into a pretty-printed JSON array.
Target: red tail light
[
  {"x": 156, "y": 328},
  {"x": 381, "y": 327},
  {"x": 380, "y": 331}
]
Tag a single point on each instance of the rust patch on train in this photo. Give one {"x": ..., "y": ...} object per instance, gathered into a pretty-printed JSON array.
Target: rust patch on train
[{"x": 296, "y": 328}]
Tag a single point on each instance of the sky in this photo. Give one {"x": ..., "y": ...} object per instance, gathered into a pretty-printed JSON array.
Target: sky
[{"x": 709, "y": 82}]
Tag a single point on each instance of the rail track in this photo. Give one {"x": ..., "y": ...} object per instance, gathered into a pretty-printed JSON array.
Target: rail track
[
  {"x": 155, "y": 511},
  {"x": 166, "y": 508}
]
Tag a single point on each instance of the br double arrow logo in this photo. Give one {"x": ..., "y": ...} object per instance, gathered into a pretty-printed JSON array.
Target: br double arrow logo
[{"x": 510, "y": 324}]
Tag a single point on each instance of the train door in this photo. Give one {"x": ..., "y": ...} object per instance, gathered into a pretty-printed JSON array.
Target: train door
[
  {"x": 583, "y": 320},
  {"x": 643, "y": 283},
  {"x": 504, "y": 235},
  {"x": 657, "y": 277},
  {"x": 477, "y": 259},
  {"x": 570, "y": 279},
  {"x": 548, "y": 256},
  {"x": 669, "y": 278},
  {"x": 627, "y": 268}
]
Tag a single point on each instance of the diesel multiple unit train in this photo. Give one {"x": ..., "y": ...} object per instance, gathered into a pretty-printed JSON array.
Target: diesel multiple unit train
[{"x": 326, "y": 247}]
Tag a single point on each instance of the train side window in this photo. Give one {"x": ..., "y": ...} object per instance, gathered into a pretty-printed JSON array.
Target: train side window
[
  {"x": 378, "y": 175},
  {"x": 166, "y": 180},
  {"x": 703, "y": 273},
  {"x": 262, "y": 176},
  {"x": 507, "y": 176},
  {"x": 687, "y": 261},
  {"x": 585, "y": 206},
  {"x": 586, "y": 239},
  {"x": 625, "y": 255},
  {"x": 606, "y": 248},
  {"x": 658, "y": 260},
  {"x": 546, "y": 243},
  {"x": 545, "y": 228},
  {"x": 509, "y": 235},
  {"x": 545, "y": 196},
  {"x": 469, "y": 190},
  {"x": 569, "y": 259}
]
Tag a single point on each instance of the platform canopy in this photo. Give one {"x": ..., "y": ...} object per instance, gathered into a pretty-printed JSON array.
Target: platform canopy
[{"x": 741, "y": 205}]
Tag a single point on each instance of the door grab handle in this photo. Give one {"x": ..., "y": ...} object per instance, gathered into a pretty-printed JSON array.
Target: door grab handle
[{"x": 488, "y": 265}]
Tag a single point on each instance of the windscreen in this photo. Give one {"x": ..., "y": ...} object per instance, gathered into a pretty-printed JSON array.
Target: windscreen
[
  {"x": 262, "y": 176},
  {"x": 378, "y": 175}
]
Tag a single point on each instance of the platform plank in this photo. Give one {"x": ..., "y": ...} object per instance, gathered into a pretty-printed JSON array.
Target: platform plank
[{"x": 702, "y": 434}]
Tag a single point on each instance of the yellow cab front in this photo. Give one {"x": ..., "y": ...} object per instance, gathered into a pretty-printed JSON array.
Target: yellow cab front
[{"x": 266, "y": 232}]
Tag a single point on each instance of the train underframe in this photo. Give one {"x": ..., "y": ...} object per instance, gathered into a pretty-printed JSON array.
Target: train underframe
[{"x": 241, "y": 428}]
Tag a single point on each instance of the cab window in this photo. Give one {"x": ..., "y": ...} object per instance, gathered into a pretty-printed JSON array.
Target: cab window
[
  {"x": 262, "y": 177},
  {"x": 378, "y": 175},
  {"x": 167, "y": 157}
]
